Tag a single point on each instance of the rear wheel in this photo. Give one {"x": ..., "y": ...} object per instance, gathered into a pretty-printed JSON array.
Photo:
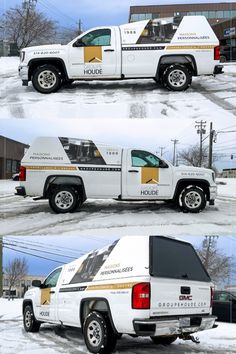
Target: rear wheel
[
  {"x": 165, "y": 340},
  {"x": 46, "y": 79},
  {"x": 192, "y": 199},
  {"x": 64, "y": 200},
  {"x": 99, "y": 336},
  {"x": 177, "y": 77},
  {"x": 30, "y": 322}
]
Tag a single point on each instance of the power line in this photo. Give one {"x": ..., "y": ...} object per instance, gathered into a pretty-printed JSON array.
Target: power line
[{"x": 55, "y": 11}]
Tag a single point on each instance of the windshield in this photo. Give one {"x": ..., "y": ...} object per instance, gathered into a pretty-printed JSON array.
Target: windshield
[{"x": 175, "y": 259}]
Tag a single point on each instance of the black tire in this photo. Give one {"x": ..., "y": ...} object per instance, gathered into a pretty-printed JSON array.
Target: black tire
[
  {"x": 99, "y": 336},
  {"x": 30, "y": 322},
  {"x": 46, "y": 79},
  {"x": 64, "y": 200},
  {"x": 192, "y": 199},
  {"x": 165, "y": 340},
  {"x": 177, "y": 77}
]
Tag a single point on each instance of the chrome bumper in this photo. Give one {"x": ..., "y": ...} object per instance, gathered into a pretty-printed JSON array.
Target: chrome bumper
[
  {"x": 23, "y": 73},
  {"x": 175, "y": 326}
]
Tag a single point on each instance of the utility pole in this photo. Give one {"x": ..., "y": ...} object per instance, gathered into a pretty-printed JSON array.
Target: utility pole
[
  {"x": 211, "y": 140},
  {"x": 201, "y": 129},
  {"x": 1, "y": 269},
  {"x": 161, "y": 149},
  {"x": 175, "y": 142},
  {"x": 29, "y": 5},
  {"x": 80, "y": 27}
]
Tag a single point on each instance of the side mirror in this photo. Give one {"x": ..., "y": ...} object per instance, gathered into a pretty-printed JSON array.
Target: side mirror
[
  {"x": 37, "y": 283},
  {"x": 78, "y": 43},
  {"x": 163, "y": 164}
]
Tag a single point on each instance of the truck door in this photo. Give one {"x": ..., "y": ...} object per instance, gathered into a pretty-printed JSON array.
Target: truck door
[
  {"x": 47, "y": 306},
  {"x": 95, "y": 54},
  {"x": 145, "y": 176}
]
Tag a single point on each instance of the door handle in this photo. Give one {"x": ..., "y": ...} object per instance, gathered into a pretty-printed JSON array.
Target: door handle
[
  {"x": 133, "y": 171},
  {"x": 109, "y": 50},
  {"x": 52, "y": 292}
]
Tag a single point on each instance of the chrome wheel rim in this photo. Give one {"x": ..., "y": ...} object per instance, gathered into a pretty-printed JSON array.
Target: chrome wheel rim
[
  {"x": 28, "y": 319},
  {"x": 47, "y": 79},
  {"x": 193, "y": 200},
  {"x": 177, "y": 78},
  {"x": 64, "y": 200},
  {"x": 94, "y": 333}
]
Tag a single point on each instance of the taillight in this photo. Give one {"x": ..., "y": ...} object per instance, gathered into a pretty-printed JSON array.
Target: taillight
[
  {"x": 212, "y": 296},
  {"x": 22, "y": 174},
  {"x": 217, "y": 53},
  {"x": 141, "y": 296}
]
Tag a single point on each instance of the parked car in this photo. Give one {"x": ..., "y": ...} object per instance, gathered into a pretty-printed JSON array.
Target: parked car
[
  {"x": 227, "y": 54},
  {"x": 224, "y": 305}
]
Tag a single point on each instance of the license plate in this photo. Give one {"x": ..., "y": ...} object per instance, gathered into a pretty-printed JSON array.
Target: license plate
[{"x": 184, "y": 322}]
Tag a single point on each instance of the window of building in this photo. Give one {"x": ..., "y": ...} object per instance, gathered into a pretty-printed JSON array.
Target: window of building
[
  {"x": 15, "y": 165},
  {"x": 101, "y": 37},
  {"x": 219, "y": 14},
  {"x": 82, "y": 151},
  {"x": 212, "y": 14},
  {"x": 28, "y": 282},
  {"x": 5, "y": 282},
  {"x": 8, "y": 166},
  {"x": 142, "y": 17},
  {"x": 227, "y": 14}
]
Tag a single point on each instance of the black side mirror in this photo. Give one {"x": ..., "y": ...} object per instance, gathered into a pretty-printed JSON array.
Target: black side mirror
[
  {"x": 163, "y": 164},
  {"x": 78, "y": 43},
  {"x": 37, "y": 283}
]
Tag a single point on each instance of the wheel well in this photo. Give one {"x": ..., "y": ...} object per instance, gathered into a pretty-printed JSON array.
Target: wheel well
[
  {"x": 204, "y": 185},
  {"x": 95, "y": 304},
  {"x": 53, "y": 182},
  {"x": 58, "y": 63},
  {"x": 167, "y": 60},
  {"x": 26, "y": 303}
]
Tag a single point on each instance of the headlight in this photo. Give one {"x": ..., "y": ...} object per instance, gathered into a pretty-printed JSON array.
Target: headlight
[{"x": 22, "y": 55}]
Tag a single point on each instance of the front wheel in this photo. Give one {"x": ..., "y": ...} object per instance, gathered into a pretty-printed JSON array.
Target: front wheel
[
  {"x": 64, "y": 200},
  {"x": 192, "y": 199},
  {"x": 30, "y": 322},
  {"x": 177, "y": 78},
  {"x": 46, "y": 79},
  {"x": 165, "y": 340},
  {"x": 98, "y": 334}
]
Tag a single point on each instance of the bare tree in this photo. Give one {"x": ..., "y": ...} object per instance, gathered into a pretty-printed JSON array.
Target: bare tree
[
  {"x": 191, "y": 155},
  {"x": 27, "y": 27},
  {"x": 216, "y": 262},
  {"x": 16, "y": 270}
]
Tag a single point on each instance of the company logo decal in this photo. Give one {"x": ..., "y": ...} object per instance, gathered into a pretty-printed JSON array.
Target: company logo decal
[
  {"x": 92, "y": 55},
  {"x": 149, "y": 175},
  {"x": 45, "y": 296}
]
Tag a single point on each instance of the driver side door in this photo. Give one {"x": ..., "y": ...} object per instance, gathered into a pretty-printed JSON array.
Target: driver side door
[
  {"x": 94, "y": 55},
  {"x": 147, "y": 176}
]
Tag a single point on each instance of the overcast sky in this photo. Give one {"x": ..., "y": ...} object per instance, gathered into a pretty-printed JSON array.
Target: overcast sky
[{"x": 92, "y": 12}]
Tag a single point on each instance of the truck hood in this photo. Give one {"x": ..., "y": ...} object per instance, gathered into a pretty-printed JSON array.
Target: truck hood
[
  {"x": 193, "y": 171},
  {"x": 43, "y": 47}
]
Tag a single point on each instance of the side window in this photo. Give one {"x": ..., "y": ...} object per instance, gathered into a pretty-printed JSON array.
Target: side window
[
  {"x": 101, "y": 37},
  {"x": 51, "y": 280},
  {"x": 222, "y": 296},
  {"x": 142, "y": 158}
]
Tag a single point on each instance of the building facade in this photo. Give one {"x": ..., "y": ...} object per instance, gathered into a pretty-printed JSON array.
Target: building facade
[
  {"x": 229, "y": 173},
  {"x": 214, "y": 12},
  {"x": 21, "y": 286},
  {"x": 226, "y": 32},
  {"x": 11, "y": 153}
]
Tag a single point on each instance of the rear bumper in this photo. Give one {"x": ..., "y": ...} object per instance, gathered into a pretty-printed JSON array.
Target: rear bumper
[
  {"x": 20, "y": 191},
  {"x": 173, "y": 326},
  {"x": 218, "y": 69}
]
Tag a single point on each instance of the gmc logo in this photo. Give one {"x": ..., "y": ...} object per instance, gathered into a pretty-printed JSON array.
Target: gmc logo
[{"x": 186, "y": 297}]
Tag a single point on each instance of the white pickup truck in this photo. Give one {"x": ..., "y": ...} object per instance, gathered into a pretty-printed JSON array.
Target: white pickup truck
[
  {"x": 140, "y": 285},
  {"x": 171, "y": 51},
  {"x": 67, "y": 171}
]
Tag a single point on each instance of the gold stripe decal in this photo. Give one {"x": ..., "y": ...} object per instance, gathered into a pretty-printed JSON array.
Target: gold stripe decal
[
  {"x": 61, "y": 168},
  {"x": 111, "y": 286},
  {"x": 174, "y": 47}
]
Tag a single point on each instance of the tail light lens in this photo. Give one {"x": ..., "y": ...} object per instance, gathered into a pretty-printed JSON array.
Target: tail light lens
[
  {"x": 212, "y": 296},
  {"x": 22, "y": 174},
  {"x": 217, "y": 53},
  {"x": 141, "y": 296}
]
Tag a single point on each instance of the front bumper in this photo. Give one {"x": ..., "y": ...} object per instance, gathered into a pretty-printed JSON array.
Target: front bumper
[
  {"x": 173, "y": 326},
  {"x": 20, "y": 191},
  {"x": 23, "y": 73},
  {"x": 218, "y": 69}
]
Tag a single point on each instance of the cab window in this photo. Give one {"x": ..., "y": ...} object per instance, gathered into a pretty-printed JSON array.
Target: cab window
[
  {"x": 101, "y": 37},
  {"x": 142, "y": 158},
  {"x": 51, "y": 280}
]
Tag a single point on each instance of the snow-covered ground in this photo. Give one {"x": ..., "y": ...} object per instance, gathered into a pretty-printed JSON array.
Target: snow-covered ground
[
  {"x": 53, "y": 339},
  {"x": 208, "y": 98},
  {"x": 24, "y": 216}
]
